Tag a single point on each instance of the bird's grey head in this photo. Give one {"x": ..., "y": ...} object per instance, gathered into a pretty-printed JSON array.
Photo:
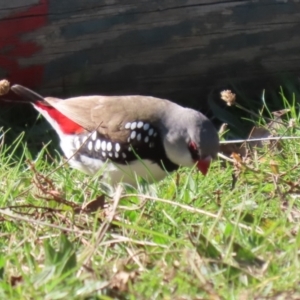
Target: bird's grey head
[{"x": 190, "y": 138}]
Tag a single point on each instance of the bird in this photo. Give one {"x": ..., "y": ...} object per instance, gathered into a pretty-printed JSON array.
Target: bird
[{"x": 127, "y": 137}]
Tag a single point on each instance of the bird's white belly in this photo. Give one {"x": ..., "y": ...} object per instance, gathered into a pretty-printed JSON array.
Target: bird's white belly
[
  {"x": 114, "y": 173},
  {"x": 146, "y": 169}
]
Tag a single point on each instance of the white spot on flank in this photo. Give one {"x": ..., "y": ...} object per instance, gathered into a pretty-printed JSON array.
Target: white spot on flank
[
  {"x": 155, "y": 134},
  {"x": 109, "y": 146},
  {"x": 118, "y": 147},
  {"x": 151, "y": 131},
  {"x": 98, "y": 145},
  {"x": 90, "y": 145},
  {"x": 151, "y": 145},
  {"x": 139, "y": 137},
  {"x": 77, "y": 143},
  {"x": 133, "y": 134},
  {"x": 140, "y": 124},
  {"x": 103, "y": 154},
  {"x": 94, "y": 135},
  {"x": 127, "y": 125},
  {"x": 123, "y": 155},
  {"x": 84, "y": 138},
  {"x": 103, "y": 145},
  {"x": 116, "y": 155},
  {"x": 133, "y": 125},
  {"x": 128, "y": 140},
  {"x": 146, "y": 126},
  {"x": 129, "y": 148},
  {"x": 146, "y": 139},
  {"x": 110, "y": 154}
]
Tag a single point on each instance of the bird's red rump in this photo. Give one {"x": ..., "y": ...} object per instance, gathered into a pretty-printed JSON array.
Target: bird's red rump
[{"x": 66, "y": 125}]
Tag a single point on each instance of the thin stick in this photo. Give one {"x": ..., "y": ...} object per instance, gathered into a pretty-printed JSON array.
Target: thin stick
[
  {"x": 225, "y": 157},
  {"x": 192, "y": 209},
  {"x": 272, "y": 138},
  {"x": 20, "y": 218}
]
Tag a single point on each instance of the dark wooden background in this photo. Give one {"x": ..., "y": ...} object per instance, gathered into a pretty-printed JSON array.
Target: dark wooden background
[{"x": 177, "y": 49}]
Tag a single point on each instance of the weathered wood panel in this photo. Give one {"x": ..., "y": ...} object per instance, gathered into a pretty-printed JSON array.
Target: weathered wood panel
[{"x": 176, "y": 49}]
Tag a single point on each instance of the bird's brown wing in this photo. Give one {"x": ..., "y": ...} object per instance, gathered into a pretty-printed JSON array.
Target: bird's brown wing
[{"x": 111, "y": 115}]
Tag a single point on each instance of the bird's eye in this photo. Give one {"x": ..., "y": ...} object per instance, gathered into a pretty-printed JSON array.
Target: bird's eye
[{"x": 193, "y": 150}]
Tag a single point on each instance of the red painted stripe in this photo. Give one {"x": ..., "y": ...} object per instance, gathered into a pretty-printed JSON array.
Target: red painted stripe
[
  {"x": 12, "y": 47},
  {"x": 66, "y": 125}
]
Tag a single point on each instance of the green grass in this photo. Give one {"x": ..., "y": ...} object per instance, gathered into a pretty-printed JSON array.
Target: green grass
[{"x": 187, "y": 237}]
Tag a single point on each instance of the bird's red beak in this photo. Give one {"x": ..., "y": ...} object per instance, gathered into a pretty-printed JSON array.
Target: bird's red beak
[{"x": 203, "y": 165}]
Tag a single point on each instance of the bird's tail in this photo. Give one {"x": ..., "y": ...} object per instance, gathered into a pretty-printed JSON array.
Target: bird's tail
[{"x": 26, "y": 93}]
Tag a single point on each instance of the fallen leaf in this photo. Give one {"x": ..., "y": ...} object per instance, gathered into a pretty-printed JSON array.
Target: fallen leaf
[
  {"x": 14, "y": 280},
  {"x": 274, "y": 167},
  {"x": 121, "y": 280},
  {"x": 236, "y": 157},
  {"x": 94, "y": 205}
]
